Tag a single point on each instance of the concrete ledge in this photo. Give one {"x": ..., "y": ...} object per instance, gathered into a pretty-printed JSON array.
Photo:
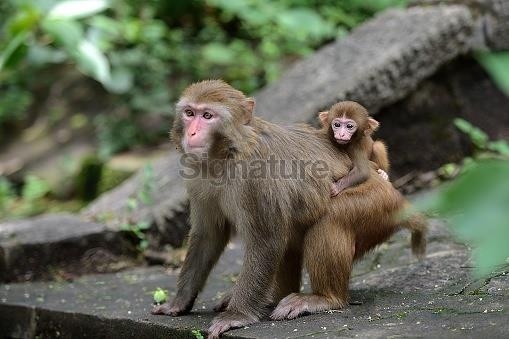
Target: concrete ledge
[
  {"x": 32, "y": 246},
  {"x": 390, "y": 294}
]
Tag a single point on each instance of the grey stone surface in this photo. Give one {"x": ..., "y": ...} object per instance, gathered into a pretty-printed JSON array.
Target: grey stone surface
[
  {"x": 377, "y": 64},
  {"x": 391, "y": 295},
  {"x": 491, "y": 29},
  {"x": 30, "y": 247}
]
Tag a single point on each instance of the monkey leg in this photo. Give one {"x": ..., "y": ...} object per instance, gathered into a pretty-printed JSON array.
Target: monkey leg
[
  {"x": 328, "y": 255},
  {"x": 379, "y": 155},
  {"x": 251, "y": 294},
  {"x": 208, "y": 238},
  {"x": 288, "y": 275}
]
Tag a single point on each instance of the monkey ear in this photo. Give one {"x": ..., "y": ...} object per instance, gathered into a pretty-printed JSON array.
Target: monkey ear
[
  {"x": 249, "y": 105},
  {"x": 372, "y": 126},
  {"x": 324, "y": 118}
]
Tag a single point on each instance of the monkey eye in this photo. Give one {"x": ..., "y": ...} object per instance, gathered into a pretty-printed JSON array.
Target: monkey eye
[
  {"x": 350, "y": 126},
  {"x": 207, "y": 115},
  {"x": 337, "y": 124},
  {"x": 189, "y": 113}
]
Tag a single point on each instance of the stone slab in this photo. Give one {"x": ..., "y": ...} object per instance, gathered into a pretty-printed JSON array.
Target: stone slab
[
  {"x": 32, "y": 246},
  {"x": 391, "y": 295}
]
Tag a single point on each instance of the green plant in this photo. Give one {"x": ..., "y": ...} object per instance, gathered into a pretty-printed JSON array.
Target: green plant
[
  {"x": 144, "y": 196},
  {"x": 160, "y": 295},
  {"x": 197, "y": 334},
  {"x": 7, "y": 196},
  {"x": 481, "y": 140},
  {"x": 497, "y": 66},
  {"x": 475, "y": 205}
]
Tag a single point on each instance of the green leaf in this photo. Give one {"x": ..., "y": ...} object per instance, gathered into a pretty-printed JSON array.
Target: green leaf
[
  {"x": 304, "y": 23},
  {"x": 497, "y": 65},
  {"x": 66, "y": 33},
  {"x": 25, "y": 20},
  {"x": 476, "y": 135},
  {"x": 93, "y": 62},
  {"x": 160, "y": 295},
  {"x": 34, "y": 188},
  {"x": 143, "y": 225},
  {"x": 121, "y": 81},
  {"x": 76, "y": 9},
  {"x": 218, "y": 53},
  {"x": 14, "y": 51},
  {"x": 499, "y": 146},
  {"x": 45, "y": 54}
]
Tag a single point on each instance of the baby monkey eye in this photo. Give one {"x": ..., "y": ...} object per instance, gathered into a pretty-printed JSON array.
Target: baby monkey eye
[
  {"x": 189, "y": 113},
  {"x": 207, "y": 115},
  {"x": 350, "y": 126},
  {"x": 337, "y": 124}
]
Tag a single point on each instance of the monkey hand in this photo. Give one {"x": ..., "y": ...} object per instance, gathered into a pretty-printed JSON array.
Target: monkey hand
[
  {"x": 228, "y": 320},
  {"x": 335, "y": 189},
  {"x": 383, "y": 174},
  {"x": 173, "y": 309}
]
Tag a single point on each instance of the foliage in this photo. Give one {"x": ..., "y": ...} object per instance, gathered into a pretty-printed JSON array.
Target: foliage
[
  {"x": 143, "y": 53},
  {"x": 197, "y": 334},
  {"x": 497, "y": 66},
  {"x": 144, "y": 196},
  {"x": 160, "y": 295},
  {"x": 29, "y": 203},
  {"x": 475, "y": 205},
  {"x": 481, "y": 140}
]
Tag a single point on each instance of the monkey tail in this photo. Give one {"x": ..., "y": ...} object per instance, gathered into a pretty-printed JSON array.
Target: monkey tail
[
  {"x": 417, "y": 223},
  {"x": 419, "y": 244}
]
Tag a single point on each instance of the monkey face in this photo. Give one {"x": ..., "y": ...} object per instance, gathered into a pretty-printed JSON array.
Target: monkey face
[
  {"x": 200, "y": 122},
  {"x": 343, "y": 129}
]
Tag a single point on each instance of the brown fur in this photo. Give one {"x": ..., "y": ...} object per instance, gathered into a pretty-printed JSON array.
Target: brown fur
[
  {"x": 283, "y": 222},
  {"x": 362, "y": 150}
]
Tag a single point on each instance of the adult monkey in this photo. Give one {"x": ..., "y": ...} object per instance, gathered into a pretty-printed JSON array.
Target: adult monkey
[{"x": 282, "y": 220}]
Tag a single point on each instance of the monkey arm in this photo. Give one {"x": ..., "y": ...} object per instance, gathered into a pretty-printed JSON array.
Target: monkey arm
[
  {"x": 358, "y": 174},
  {"x": 208, "y": 237}
]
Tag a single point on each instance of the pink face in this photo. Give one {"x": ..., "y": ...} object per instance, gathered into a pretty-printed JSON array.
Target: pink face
[
  {"x": 344, "y": 129},
  {"x": 200, "y": 122}
]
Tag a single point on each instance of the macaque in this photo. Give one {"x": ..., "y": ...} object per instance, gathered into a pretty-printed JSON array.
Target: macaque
[
  {"x": 285, "y": 221},
  {"x": 350, "y": 128}
]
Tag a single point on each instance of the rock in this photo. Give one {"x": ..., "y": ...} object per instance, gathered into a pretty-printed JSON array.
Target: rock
[
  {"x": 32, "y": 248},
  {"x": 419, "y": 130},
  {"x": 377, "y": 64},
  {"x": 391, "y": 295}
]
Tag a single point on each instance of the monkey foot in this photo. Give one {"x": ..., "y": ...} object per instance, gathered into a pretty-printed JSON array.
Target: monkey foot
[
  {"x": 168, "y": 309},
  {"x": 228, "y": 320},
  {"x": 297, "y": 304},
  {"x": 223, "y": 304}
]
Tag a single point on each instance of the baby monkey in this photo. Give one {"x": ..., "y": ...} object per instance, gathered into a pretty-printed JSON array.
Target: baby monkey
[{"x": 349, "y": 126}]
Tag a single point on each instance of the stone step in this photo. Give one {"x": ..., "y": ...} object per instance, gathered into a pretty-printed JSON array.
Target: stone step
[
  {"x": 32, "y": 248},
  {"x": 391, "y": 295}
]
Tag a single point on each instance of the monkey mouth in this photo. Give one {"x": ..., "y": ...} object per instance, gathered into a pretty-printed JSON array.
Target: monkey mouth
[
  {"x": 195, "y": 149},
  {"x": 342, "y": 142}
]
